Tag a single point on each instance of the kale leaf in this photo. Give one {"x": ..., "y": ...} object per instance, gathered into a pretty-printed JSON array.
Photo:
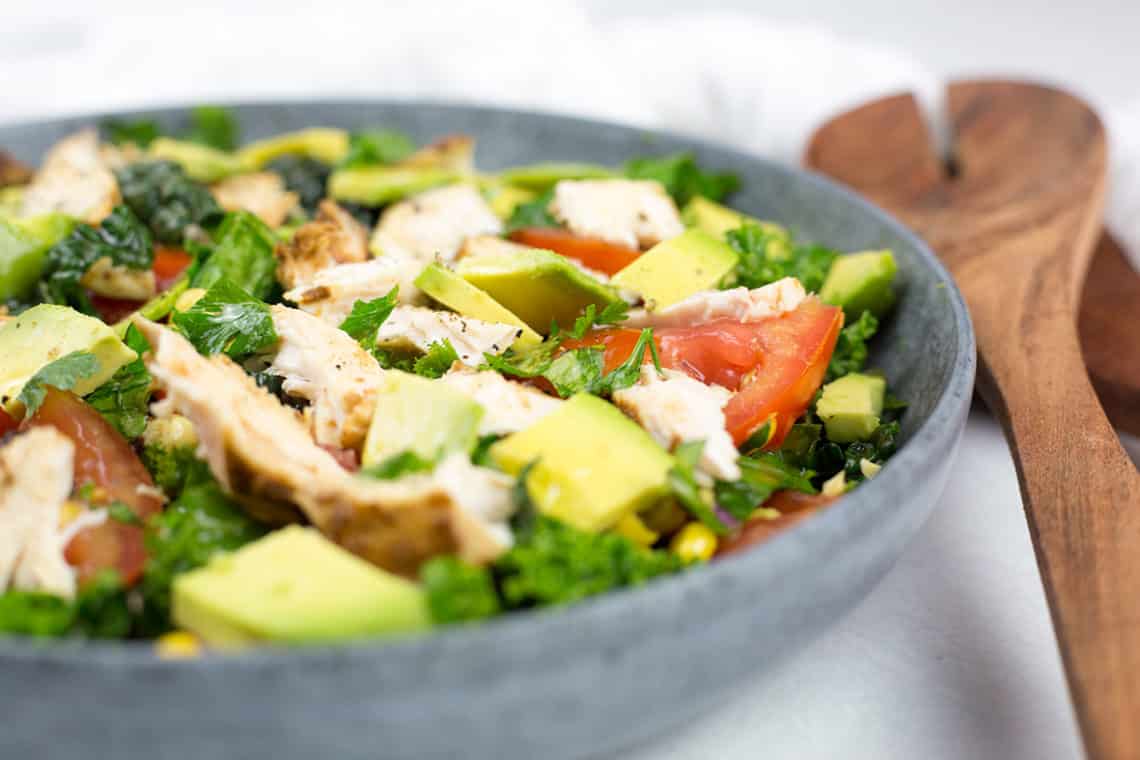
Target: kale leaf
[
  {"x": 34, "y": 613},
  {"x": 307, "y": 177},
  {"x": 437, "y": 361},
  {"x": 532, "y": 213},
  {"x": 141, "y": 132},
  {"x": 683, "y": 484},
  {"x": 766, "y": 256},
  {"x": 850, "y": 353},
  {"x": 682, "y": 178},
  {"x": 227, "y": 320},
  {"x": 760, "y": 477},
  {"x": 367, "y": 317},
  {"x": 173, "y": 468},
  {"x": 101, "y": 607},
  {"x": 458, "y": 592},
  {"x": 166, "y": 199},
  {"x": 124, "y": 399},
  {"x": 377, "y": 146},
  {"x": 213, "y": 126},
  {"x": 63, "y": 373},
  {"x": 243, "y": 254}
]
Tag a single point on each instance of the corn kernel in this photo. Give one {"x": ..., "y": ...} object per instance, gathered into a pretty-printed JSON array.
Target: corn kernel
[
  {"x": 694, "y": 543},
  {"x": 177, "y": 645}
]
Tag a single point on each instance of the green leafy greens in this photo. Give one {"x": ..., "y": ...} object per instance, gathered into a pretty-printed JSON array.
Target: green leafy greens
[
  {"x": 213, "y": 126},
  {"x": 377, "y": 146},
  {"x": 124, "y": 399},
  {"x": 141, "y": 132},
  {"x": 532, "y": 213},
  {"x": 227, "y": 320},
  {"x": 366, "y": 317},
  {"x": 850, "y": 353},
  {"x": 166, "y": 199},
  {"x": 399, "y": 465},
  {"x": 305, "y": 176},
  {"x": 63, "y": 373},
  {"x": 767, "y": 256},
  {"x": 437, "y": 361},
  {"x": 682, "y": 177},
  {"x": 242, "y": 254}
]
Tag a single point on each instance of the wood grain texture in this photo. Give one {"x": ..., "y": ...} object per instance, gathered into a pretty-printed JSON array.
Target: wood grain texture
[{"x": 1017, "y": 225}]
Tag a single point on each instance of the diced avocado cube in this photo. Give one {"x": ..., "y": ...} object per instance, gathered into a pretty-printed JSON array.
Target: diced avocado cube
[
  {"x": 294, "y": 587},
  {"x": 377, "y": 185},
  {"x": 676, "y": 268},
  {"x": 48, "y": 332},
  {"x": 850, "y": 406},
  {"x": 416, "y": 414},
  {"x": 716, "y": 219},
  {"x": 322, "y": 143},
  {"x": 542, "y": 175},
  {"x": 861, "y": 282},
  {"x": 504, "y": 199},
  {"x": 24, "y": 244},
  {"x": 201, "y": 162},
  {"x": 593, "y": 465},
  {"x": 538, "y": 286},
  {"x": 459, "y": 295}
]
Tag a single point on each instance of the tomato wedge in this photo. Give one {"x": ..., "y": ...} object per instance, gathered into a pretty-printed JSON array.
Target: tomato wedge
[
  {"x": 112, "y": 310},
  {"x": 7, "y": 424},
  {"x": 102, "y": 457},
  {"x": 794, "y": 507},
  {"x": 774, "y": 365},
  {"x": 169, "y": 264},
  {"x": 595, "y": 253}
]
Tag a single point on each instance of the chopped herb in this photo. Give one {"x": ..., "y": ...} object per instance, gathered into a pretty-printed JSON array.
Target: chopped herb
[
  {"x": 243, "y": 254},
  {"x": 367, "y": 317},
  {"x": 458, "y": 592},
  {"x": 377, "y": 146},
  {"x": 532, "y": 213},
  {"x": 63, "y": 373},
  {"x": 101, "y": 607},
  {"x": 437, "y": 361},
  {"x": 696, "y": 500},
  {"x": 399, "y": 465},
  {"x": 227, "y": 320},
  {"x": 767, "y": 256},
  {"x": 124, "y": 399},
  {"x": 682, "y": 178},
  {"x": 141, "y": 132},
  {"x": 120, "y": 512},
  {"x": 760, "y": 477},
  {"x": 850, "y": 353},
  {"x": 34, "y": 613}
]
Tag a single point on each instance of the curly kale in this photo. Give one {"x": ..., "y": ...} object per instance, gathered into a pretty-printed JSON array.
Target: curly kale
[
  {"x": 850, "y": 353},
  {"x": 124, "y": 399},
  {"x": 371, "y": 147},
  {"x": 34, "y": 613},
  {"x": 166, "y": 199},
  {"x": 457, "y": 591},
  {"x": 766, "y": 256},
  {"x": 213, "y": 126},
  {"x": 141, "y": 132},
  {"x": 682, "y": 177},
  {"x": 99, "y": 610},
  {"x": 307, "y": 177}
]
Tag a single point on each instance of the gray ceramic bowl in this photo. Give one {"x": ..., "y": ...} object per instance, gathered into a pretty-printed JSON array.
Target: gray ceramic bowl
[{"x": 591, "y": 678}]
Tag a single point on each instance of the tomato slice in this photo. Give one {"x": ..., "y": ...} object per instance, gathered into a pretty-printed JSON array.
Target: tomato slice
[
  {"x": 595, "y": 253},
  {"x": 169, "y": 264},
  {"x": 7, "y": 423},
  {"x": 774, "y": 365},
  {"x": 112, "y": 310},
  {"x": 102, "y": 457},
  {"x": 794, "y": 507}
]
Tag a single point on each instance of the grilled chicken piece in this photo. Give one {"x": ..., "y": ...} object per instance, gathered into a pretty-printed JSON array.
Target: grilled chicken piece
[
  {"x": 737, "y": 304},
  {"x": 12, "y": 172},
  {"x": 677, "y": 409},
  {"x": 434, "y": 224},
  {"x": 416, "y": 328},
  {"x": 117, "y": 281},
  {"x": 260, "y": 193},
  {"x": 74, "y": 180},
  {"x": 633, "y": 213},
  {"x": 323, "y": 365},
  {"x": 263, "y": 456},
  {"x": 334, "y": 237},
  {"x": 455, "y": 152},
  {"x": 332, "y": 291},
  {"x": 35, "y": 480},
  {"x": 508, "y": 407}
]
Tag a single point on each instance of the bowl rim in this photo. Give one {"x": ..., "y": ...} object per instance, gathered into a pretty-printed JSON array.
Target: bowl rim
[{"x": 828, "y": 528}]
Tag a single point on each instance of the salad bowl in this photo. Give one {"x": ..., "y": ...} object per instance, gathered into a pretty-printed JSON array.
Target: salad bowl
[{"x": 565, "y": 682}]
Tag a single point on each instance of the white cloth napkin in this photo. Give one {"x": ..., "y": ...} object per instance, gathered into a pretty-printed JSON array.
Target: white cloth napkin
[{"x": 731, "y": 77}]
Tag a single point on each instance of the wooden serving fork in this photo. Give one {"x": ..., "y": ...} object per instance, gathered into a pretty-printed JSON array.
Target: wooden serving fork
[{"x": 1015, "y": 216}]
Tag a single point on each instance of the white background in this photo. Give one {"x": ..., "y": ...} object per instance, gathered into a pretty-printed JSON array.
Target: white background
[{"x": 952, "y": 656}]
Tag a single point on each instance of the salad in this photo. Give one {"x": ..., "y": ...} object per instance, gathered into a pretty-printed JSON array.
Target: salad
[{"x": 332, "y": 385}]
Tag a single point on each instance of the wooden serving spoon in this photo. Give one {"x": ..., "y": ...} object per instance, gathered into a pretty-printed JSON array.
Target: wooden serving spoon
[{"x": 1016, "y": 222}]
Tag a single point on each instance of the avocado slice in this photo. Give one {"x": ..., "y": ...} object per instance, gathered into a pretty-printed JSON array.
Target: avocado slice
[
  {"x": 47, "y": 332},
  {"x": 675, "y": 269},
  {"x": 460, "y": 296},
  {"x": 377, "y": 185},
  {"x": 504, "y": 199},
  {"x": 296, "y": 587},
  {"x": 24, "y": 244},
  {"x": 861, "y": 282},
  {"x": 545, "y": 174},
  {"x": 593, "y": 465},
  {"x": 537, "y": 285},
  {"x": 322, "y": 143},
  {"x": 200, "y": 162},
  {"x": 850, "y": 406},
  {"x": 418, "y": 415}
]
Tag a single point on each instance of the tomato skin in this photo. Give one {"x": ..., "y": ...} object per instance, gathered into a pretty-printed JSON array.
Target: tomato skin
[
  {"x": 595, "y": 253},
  {"x": 169, "y": 264},
  {"x": 112, "y": 310},
  {"x": 794, "y": 507},
  {"x": 774, "y": 365},
  {"x": 7, "y": 423},
  {"x": 105, "y": 458}
]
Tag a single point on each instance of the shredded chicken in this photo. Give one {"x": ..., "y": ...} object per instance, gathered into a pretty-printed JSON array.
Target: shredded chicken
[
  {"x": 334, "y": 237},
  {"x": 676, "y": 409},
  {"x": 117, "y": 281},
  {"x": 73, "y": 179},
  {"x": 417, "y": 328},
  {"x": 434, "y": 224},
  {"x": 739, "y": 304},
  {"x": 634, "y": 213},
  {"x": 260, "y": 193},
  {"x": 262, "y": 454},
  {"x": 323, "y": 365},
  {"x": 35, "y": 480},
  {"x": 12, "y": 172},
  {"x": 508, "y": 406},
  {"x": 331, "y": 292}
]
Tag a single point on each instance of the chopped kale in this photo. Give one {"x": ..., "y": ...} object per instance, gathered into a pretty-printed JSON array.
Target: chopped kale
[
  {"x": 377, "y": 146},
  {"x": 227, "y": 320},
  {"x": 760, "y": 477},
  {"x": 307, "y": 177},
  {"x": 437, "y": 361},
  {"x": 166, "y": 199},
  {"x": 367, "y": 317},
  {"x": 458, "y": 592},
  {"x": 33, "y": 613},
  {"x": 213, "y": 126},
  {"x": 532, "y": 213},
  {"x": 101, "y": 608},
  {"x": 124, "y": 399},
  {"x": 687, "y": 490},
  {"x": 174, "y": 468},
  {"x": 682, "y": 178},
  {"x": 243, "y": 254},
  {"x": 850, "y": 353},
  {"x": 766, "y": 256},
  {"x": 141, "y": 132}
]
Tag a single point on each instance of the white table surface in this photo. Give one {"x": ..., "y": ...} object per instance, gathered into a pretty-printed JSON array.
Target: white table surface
[{"x": 953, "y": 655}]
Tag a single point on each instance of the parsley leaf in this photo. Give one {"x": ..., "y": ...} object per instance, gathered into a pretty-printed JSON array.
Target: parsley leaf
[
  {"x": 850, "y": 353},
  {"x": 124, "y": 399},
  {"x": 63, "y": 373},
  {"x": 767, "y": 256},
  {"x": 213, "y": 126},
  {"x": 682, "y": 178},
  {"x": 162, "y": 195},
  {"x": 576, "y": 371},
  {"x": 243, "y": 254},
  {"x": 227, "y": 320},
  {"x": 532, "y": 213},
  {"x": 437, "y": 361},
  {"x": 367, "y": 317},
  {"x": 377, "y": 146},
  {"x": 141, "y": 132},
  {"x": 398, "y": 465},
  {"x": 611, "y": 314},
  {"x": 760, "y": 477}
]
